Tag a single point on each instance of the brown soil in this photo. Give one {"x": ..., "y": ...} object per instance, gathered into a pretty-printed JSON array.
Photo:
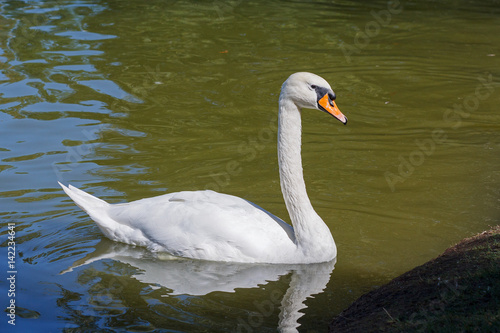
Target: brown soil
[{"x": 459, "y": 291}]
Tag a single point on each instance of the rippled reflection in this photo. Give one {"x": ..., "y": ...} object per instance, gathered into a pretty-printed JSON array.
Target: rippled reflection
[{"x": 184, "y": 277}]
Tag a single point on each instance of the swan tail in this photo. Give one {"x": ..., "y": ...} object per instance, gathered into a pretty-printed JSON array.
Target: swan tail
[
  {"x": 100, "y": 211},
  {"x": 84, "y": 200},
  {"x": 96, "y": 208}
]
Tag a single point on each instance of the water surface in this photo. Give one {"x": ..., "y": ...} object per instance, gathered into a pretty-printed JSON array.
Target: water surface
[{"x": 131, "y": 99}]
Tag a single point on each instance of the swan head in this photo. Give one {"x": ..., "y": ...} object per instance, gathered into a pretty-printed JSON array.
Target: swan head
[{"x": 310, "y": 91}]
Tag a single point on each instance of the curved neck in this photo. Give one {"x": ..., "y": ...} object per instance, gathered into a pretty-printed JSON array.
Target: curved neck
[{"x": 309, "y": 228}]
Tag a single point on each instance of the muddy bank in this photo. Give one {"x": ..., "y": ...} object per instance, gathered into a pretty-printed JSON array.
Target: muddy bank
[{"x": 459, "y": 291}]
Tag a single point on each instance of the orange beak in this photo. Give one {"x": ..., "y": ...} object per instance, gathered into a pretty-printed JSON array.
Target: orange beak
[{"x": 329, "y": 106}]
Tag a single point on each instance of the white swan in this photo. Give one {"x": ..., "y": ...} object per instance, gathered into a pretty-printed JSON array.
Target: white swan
[{"x": 219, "y": 227}]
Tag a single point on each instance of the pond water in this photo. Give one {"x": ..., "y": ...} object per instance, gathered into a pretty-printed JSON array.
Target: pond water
[{"x": 131, "y": 99}]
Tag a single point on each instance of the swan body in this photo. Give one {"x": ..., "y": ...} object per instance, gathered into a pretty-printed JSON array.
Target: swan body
[{"x": 219, "y": 227}]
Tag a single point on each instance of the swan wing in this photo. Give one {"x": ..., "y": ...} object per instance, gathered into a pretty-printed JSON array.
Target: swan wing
[
  {"x": 195, "y": 224},
  {"x": 206, "y": 225}
]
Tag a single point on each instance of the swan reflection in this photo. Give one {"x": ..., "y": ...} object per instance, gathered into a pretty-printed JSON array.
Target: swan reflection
[{"x": 197, "y": 278}]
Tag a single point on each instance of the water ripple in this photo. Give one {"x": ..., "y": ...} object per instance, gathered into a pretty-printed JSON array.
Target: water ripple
[{"x": 84, "y": 35}]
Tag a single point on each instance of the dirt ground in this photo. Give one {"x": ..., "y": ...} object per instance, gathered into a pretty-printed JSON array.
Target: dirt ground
[{"x": 459, "y": 291}]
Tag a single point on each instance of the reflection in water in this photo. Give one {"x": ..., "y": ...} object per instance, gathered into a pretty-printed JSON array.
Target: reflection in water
[{"x": 197, "y": 278}]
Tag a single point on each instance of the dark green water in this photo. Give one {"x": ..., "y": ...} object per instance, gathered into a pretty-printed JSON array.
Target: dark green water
[{"x": 131, "y": 99}]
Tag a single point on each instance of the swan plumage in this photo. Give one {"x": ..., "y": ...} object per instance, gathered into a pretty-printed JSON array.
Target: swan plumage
[{"x": 213, "y": 226}]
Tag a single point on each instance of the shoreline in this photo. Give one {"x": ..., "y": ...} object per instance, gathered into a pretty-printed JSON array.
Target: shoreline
[{"x": 459, "y": 291}]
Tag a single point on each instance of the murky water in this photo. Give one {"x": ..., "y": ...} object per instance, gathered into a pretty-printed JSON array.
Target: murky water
[{"x": 131, "y": 99}]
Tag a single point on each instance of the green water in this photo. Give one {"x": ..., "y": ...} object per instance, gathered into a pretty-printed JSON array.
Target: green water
[{"x": 131, "y": 99}]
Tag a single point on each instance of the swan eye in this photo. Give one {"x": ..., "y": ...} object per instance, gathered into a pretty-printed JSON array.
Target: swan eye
[{"x": 313, "y": 86}]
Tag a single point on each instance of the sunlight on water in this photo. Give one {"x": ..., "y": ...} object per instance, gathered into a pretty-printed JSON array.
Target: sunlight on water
[{"x": 131, "y": 99}]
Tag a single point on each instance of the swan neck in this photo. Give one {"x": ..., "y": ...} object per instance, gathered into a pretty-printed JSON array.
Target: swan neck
[
  {"x": 312, "y": 236},
  {"x": 290, "y": 166}
]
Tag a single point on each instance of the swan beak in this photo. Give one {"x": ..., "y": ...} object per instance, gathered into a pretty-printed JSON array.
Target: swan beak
[{"x": 328, "y": 105}]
